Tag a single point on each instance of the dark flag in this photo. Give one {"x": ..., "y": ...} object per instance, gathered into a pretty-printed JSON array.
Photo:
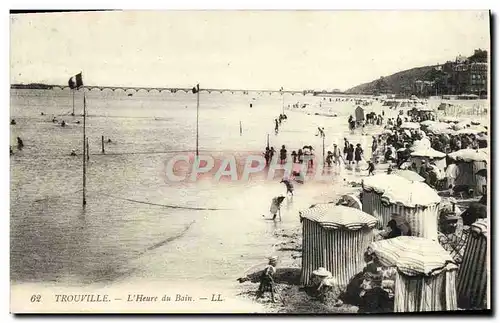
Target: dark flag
[
  {"x": 75, "y": 82},
  {"x": 196, "y": 89}
]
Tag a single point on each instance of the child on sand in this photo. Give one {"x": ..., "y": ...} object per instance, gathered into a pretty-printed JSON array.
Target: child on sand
[
  {"x": 267, "y": 279},
  {"x": 371, "y": 168}
]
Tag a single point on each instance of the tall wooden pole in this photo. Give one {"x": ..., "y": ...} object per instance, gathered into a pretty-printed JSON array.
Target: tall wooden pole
[
  {"x": 197, "y": 115},
  {"x": 323, "y": 135},
  {"x": 84, "y": 152}
]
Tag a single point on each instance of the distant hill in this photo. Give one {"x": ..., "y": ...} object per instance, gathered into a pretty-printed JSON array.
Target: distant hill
[
  {"x": 394, "y": 83},
  {"x": 442, "y": 77}
]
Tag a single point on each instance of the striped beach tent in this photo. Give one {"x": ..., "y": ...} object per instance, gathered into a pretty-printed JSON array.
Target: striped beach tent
[
  {"x": 469, "y": 162},
  {"x": 387, "y": 194},
  {"x": 426, "y": 273},
  {"x": 334, "y": 237},
  {"x": 473, "y": 273}
]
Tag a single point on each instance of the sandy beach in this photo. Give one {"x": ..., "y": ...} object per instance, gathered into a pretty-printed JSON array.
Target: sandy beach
[{"x": 125, "y": 237}]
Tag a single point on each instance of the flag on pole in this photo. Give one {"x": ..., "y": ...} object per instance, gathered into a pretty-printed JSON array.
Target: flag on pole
[
  {"x": 75, "y": 82},
  {"x": 196, "y": 89}
]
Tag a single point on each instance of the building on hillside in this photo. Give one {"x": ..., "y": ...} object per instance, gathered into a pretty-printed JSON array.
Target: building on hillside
[{"x": 478, "y": 78}]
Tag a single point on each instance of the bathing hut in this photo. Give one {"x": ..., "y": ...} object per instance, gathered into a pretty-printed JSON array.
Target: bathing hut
[
  {"x": 360, "y": 114},
  {"x": 425, "y": 273},
  {"x": 334, "y": 237},
  {"x": 387, "y": 194},
  {"x": 469, "y": 162},
  {"x": 473, "y": 272}
]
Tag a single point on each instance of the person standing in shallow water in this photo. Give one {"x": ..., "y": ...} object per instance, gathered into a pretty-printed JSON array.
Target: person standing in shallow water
[
  {"x": 346, "y": 147},
  {"x": 283, "y": 154},
  {"x": 276, "y": 126},
  {"x": 371, "y": 168},
  {"x": 20, "y": 143},
  {"x": 267, "y": 155},
  {"x": 271, "y": 153},
  {"x": 350, "y": 154},
  {"x": 358, "y": 153}
]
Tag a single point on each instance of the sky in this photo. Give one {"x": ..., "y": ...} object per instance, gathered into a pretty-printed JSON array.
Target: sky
[{"x": 238, "y": 49}]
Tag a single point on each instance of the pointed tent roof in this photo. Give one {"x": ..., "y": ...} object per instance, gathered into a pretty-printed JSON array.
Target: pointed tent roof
[
  {"x": 413, "y": 256},
  {"x": 334, "y": 217},
  {"x": 395, "y": 189}
]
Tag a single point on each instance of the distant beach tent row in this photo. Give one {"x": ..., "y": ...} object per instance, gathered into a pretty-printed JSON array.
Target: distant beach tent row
[
  {"x": 335, "y": 237},
  {"x": 469, "y": 162},
  {"x": 473, "y": 274},
  {"x": 387, "y": 194},
  {"x": 426, "y": 273}
]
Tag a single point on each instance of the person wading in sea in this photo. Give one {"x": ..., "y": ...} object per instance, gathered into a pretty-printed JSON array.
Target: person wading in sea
[
  {"x": 20, "y": 143},
  {"x": 282, "y": 154},
  {"x": 289, "y": 186}
]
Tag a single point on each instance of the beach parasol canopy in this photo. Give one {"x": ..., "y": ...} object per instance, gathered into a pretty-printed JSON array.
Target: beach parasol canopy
[
  {"x": 427, "y": 123},
  {"x": 409, "y": 175},
  {"x": 410, "y": 125},
  {"x": 450, "y": 119},
  {"x": 439, "y": 128},
  {"x": 333, "y": 217},
  {"x": 482, "y": 137},
  {"x": 429, "y": 152},
  {"x": 468, "y": 155},
  {"x": 412, "y": 255},
  {"x": 422, "y": 144},
  {"x": 461, "y": 125}
]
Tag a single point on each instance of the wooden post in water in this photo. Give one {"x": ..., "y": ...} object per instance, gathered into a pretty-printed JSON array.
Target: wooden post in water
[
  {"x": 88, "y": 150},
  {"x": 267, "y": 140},
  {"x": 197, "y": 114},
  {"x": 73, "y": 114},
  {"x": 102, "y": 144},
  {"x": 323, "y": 135},
  {"x": 241, "y": 130},
  {"x": 84, "y": 157}
]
